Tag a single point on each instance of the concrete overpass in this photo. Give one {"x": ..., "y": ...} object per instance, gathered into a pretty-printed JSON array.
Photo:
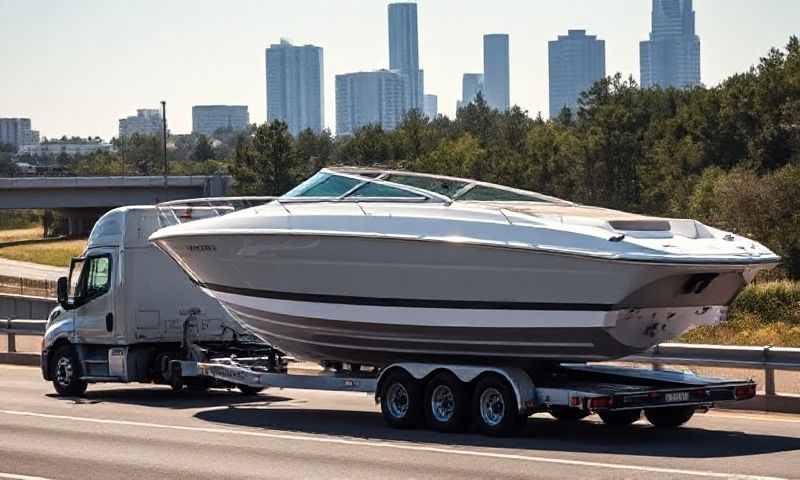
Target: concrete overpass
[
  {"x": 83, "y": 199},
  {"x": 106, "y": 192}
]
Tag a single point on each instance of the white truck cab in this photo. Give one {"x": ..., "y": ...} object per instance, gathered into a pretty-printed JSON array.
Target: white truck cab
[{"x": 122, "y": 312}]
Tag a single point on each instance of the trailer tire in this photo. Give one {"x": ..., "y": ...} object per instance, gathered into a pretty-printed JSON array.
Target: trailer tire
[
  {"x": 66, "y": 373},
  {"x": 669, "y": 417},
  {"x": 621, "y": 418},
  {"x": 568, "y": 414},
  {"x": 447, "y": 403},
  {"x": 249, "y": 391},
  {"x": 494, "y": 406},
  {"x": 401, "y": 400}
]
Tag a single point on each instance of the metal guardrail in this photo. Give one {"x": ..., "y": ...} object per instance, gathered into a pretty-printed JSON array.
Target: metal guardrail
[
  {"x": 14, "y": 328},
  {"x": 769, "y": 359}
]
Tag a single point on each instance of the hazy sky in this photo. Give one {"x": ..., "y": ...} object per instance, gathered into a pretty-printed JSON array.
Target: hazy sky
[{"x": 76, "y": 67}]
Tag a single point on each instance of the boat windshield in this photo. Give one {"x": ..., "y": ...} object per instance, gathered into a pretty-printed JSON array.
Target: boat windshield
[{"x": 376, "y": 185}]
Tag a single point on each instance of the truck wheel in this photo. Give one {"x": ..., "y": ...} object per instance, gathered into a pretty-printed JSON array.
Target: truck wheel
[
  {"x": 446, "y": 403},
  {"x": 620, "y": 419},
  {"x": 249, "y": 391},
  {"x": 66, "y": 373},
  {"x": 567, "y": 414},
  {"x": 494, "y": 405},
  {"x": 669, "y": 417},
  {"x": 401, "y": 400}
]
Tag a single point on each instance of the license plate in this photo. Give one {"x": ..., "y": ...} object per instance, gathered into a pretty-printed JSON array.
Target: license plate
[{"x": 676, "y": 397}]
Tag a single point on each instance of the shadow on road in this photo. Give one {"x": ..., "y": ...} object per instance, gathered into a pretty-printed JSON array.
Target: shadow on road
[
  {"x": 166, "y": 398},
  {"x": 540, "y": 434}
]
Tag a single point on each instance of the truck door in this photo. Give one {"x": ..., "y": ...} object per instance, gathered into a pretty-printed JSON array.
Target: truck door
[{"x": 91, "y": 298}]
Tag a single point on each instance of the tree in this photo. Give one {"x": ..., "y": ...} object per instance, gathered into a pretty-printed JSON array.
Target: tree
[
  {"x": 265, "y": 164},
  {"x": 203, "y": 150}
]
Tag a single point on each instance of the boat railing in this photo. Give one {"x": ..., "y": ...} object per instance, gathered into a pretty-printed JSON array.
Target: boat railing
[{"x": 181, "y": 211}]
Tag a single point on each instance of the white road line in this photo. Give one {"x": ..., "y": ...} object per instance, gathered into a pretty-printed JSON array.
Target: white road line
[
  {"x": 396, "y": 446},
  {"x": 752, "y": 417},
  {"x": 14, "y": 476}
]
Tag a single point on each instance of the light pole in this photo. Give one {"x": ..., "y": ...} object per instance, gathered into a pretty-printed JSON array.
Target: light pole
[{"x": 164, "y": 134}]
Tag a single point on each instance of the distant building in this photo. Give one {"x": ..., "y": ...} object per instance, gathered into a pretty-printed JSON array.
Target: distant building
[
  {"x": 577, "y": 61},
  {"x": 404, "y": 51},
  {"x": 496, "y": 71},
  {"x": 295, "y": 86},
  {"x": 16, "y": 131},
  {"x": 431, "y": 106},
  {"x": 207, "y": 119},
  {"x": 146, "y": 122},
  {"x": 369, "y": 98},
  {"x": 471, "y": 85},
  {"x": 71, "y": 149},
  {"x": 671, "y": 57}
]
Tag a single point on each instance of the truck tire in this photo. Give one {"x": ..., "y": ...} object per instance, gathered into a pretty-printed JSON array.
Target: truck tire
[
  {"x": 669, "y": 417},
  {"x": 249, "y": 391},
  {"x": 494, "y": 407},
  {"x": 447, "y": 403},
  {"x": 401, "y": 400},
  {"x": 567, "y": 414},
  {"x": 66, "y": 373},
  {"x": 621, "y": 418}
]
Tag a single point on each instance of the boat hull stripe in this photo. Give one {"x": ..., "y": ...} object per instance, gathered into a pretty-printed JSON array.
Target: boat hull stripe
[{"x": 408, "y": 302}]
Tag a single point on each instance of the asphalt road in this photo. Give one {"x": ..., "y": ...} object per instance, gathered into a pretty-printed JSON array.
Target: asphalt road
[
  {"x": 145, "y": 432},
  {"x": 33, "y": 271}
]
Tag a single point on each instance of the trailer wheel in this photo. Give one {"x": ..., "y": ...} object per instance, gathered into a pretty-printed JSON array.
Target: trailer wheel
[
  {"x": 249, "y": 391},
  {"x": 66, "y": 373},
  {"x": 621, "y": 418},
  {"x": 568, "y": 414},
  {"x": 401, "y": 400},
  {"x": 494, "y": 406},
  {"x": 446, "y": 403},
  {"x": 669, "y": 417}
]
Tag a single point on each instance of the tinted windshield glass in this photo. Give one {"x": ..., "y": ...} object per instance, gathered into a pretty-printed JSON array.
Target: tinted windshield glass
[
  {"x": 488, "y": 194},
  {"x": 441, "y": 186},
  {"x": 377, "y": 190},
  {"x": 324, "y": 185}
]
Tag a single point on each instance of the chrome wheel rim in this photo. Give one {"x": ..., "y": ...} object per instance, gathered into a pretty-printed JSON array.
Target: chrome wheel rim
[
  {"x": 64, "y": 371},
  {"x": 493, "y": 407},
  {"x": 443, "y": 403},
  {"x": 397, "y": 400}
]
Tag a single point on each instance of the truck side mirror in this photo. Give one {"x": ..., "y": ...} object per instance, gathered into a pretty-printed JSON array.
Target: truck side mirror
[{"x": 62, "y": 291}]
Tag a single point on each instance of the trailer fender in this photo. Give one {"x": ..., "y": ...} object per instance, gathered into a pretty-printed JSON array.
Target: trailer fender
[{"x": 520, "y": 381}]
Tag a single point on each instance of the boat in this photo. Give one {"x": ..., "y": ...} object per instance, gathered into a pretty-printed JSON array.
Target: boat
[{"x": 369, "y": 266}]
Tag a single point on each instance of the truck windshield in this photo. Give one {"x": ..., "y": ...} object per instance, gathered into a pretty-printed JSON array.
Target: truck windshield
[{"x": 75, "y": 284}]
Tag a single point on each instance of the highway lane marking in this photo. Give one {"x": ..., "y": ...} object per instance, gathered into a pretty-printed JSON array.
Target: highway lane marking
[
  {"x": 396, "y": 446},
  {"x": 751, "y": 417},
  {"x": 14, "y": 476}
]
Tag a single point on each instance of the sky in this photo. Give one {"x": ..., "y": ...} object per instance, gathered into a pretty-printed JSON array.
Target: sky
[{"x": 77, "y": 67}]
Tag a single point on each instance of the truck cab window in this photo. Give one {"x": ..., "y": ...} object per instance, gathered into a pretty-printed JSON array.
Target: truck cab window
[{"x": 89, "y": 278}]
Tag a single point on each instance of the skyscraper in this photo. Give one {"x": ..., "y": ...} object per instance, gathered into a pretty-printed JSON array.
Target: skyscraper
[
  {"x": 671, "y": 58},
  {"x": 496, "y": 71},
  {"x": 146, "y": 122},
  {"x": 369, "y": 98},
  {"x": 471, "y": 84},
  {"x": 404, "y": 51},
  {"x": 431, "y": 106},
  {"x": 295, "y": 86},
  {"x": 16, "y": 131},
  {"x": 207, "y": 119},
  {"x": 576, "y": 61}
]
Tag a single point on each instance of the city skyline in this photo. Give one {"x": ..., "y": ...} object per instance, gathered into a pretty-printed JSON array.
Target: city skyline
[{"x": 94, "y": 83}]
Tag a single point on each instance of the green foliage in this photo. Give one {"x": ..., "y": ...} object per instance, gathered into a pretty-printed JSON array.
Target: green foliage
[
  {"x": 266, "y": 164},
  {"x": 203, "y": 150},
  {"x": 765, "y": 313}
]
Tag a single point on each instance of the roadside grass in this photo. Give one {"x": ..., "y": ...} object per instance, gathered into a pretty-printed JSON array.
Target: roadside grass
[
  {"x": 26, "y": 233},
  {"x": 57, "y": 253},
  {"x": 766, "y": 313}
]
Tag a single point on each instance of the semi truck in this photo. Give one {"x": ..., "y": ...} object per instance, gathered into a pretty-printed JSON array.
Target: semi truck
[{"x": 127, "y": 313}]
